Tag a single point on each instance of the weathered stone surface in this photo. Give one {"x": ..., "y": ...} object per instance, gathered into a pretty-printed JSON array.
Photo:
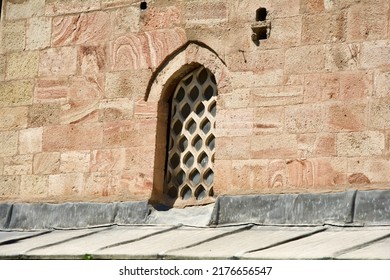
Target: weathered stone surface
[
  {"x": 161, "y": 18},
  {"x": 75, "y": 161},
  {"x": 205, "y": 12},
  {"x": 107, "y": 160},
  {"x": 374, "y": 54},
  {"x": 68, "y": 137},
  {"x": 368, "y": 170},
  {"x": 38, "y": 33},
  {"x": 40, "y": 115},
  {"x": 18, "y": 165},
  {"x": 9, "y": 186},
  {"x": 80, "y": 111},
  {"x": 347, "y": 117},
  {"x": 310, "y": 145},
  {"x": 305, "y": 59},
  {"x": 34, "y": 186},
  {"x": 51, "y": 89},
  {"x": 22, "y": 65},
  {"x": 16, "y": 93},
  {"x": 271, "y": 146},
  {"x": 312, "y": 6},
  {"x": 58, "y": 61},
  {"x": 2, "y": 66},
  {"x": 253, "y": 174},
  {"x": 285, "y": 32},
  {"x": 227, "y": 148},
  {"x": 321, "y": 87},
  {"x": 9, "y": 143},
  {"x": 13, "y": 35},
  {"x": 372, "y": 207},
  {"x": 355, "y": 85},
  {"x": 125, "y": 20},
  {"x": 129, "y": 84},
  {"x": 380, "y": 113},
  {"x": 30, "y": 140},
  {"x": 256, "y": 61},
  {"x": 89, "y": 87},
  {"x": 116, "y": 109},
  {"x": 13, "y": 118},
  {"x": 24, "y": 9},
  {"x": 342, "y": 57},
  {"x": 382, "y": 84},
  {"x": 117, "y": 3},
  {"x": 275, "y": 96},
  {"x": 79, "y": 29},
  {"x": 145, "y": 50},
  {"x": 46, "y": 163},
  {"x": 234, "y": 122},
  {"x": 68, "y": 185},
  {"x": 367, "y": 143},
  {"x": 304, "y": 119},
  {"x": 92, "y": 59},
  {"x": 58, "y": 7},
  {"x": 285, "y": 209}
]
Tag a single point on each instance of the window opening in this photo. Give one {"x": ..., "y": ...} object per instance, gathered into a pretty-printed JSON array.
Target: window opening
[{"x": 191, "y": 145}]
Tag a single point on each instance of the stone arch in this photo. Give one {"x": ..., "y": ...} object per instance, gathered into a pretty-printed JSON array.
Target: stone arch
[{"x": 189, "y": 57}]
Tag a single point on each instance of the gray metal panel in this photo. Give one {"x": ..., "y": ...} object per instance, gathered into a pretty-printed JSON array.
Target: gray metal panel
[{"x": 373, "y": 207}]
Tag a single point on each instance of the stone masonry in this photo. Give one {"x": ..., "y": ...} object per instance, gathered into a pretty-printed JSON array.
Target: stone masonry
[{"x": 84, "y": 84}]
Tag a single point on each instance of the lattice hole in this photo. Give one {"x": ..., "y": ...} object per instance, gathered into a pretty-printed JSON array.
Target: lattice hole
[
  {"x": 197, "y": 143},
  {"x": 172, "y": 192},
  {"x": 203, "y": 159},
  {"x": 191, "y": 126},
  {"x": 200, "y": 193},
  {"x": 186, "y": 193},
  {"x": 208, "y": 177},
  {"x": 188, "y": 160}
]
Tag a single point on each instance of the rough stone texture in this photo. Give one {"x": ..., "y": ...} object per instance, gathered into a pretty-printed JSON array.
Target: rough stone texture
[
  {"x": 372, "y": 207},
  {"x": 85, "y": 89},
  {"x": 285, "y": 209}
]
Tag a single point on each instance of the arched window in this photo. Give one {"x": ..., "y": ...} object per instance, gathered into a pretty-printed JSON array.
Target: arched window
[{"x": 189, "y": 171}]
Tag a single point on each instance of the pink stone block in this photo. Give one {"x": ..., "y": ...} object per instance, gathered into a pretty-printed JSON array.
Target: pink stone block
[
  {"x": 81, "y": 28},
  {"x": 58, "y": 61},
  {"x": 50, "y": 89},
  {"x": 89, "y": 87},
  {"x": 80, "y": 111},
  {"x": 92, "y": 59},
  {"x": 75, "y": 161},
  {"x": 161, "y": 18},
  {"x": 46, "y": 163},
  {"x": 108, "y": 160}
]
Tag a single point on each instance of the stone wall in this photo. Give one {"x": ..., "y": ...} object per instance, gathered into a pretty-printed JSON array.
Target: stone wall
[{"x": 306, "y": 110}]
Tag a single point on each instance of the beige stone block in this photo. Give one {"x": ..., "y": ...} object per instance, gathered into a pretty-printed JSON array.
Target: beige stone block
[
  {"x": 312, "y": 6},
  {"x": 117, "y": 3},
  {"x": 70, "y": 185},
  {"x": 145, "y": 50},
  {"x": 375, "y": 54},
  {"x": 368, "y": 170},
  {"x": 80, "y": 111},
  {"x": 9, "y": 143},
  {"x": 342, "y": 57},
  {"x": 285, "y": 32},
  {"x": 58, "y": 61},
  {"x": 323, "y": 28},
  {"x": 256, "y": 61},
  {"x": 284, "y": 8},
  {"x": 304, "y": 118},
  {"x": 232, "y": 148},
  {"x": 18, "y": 165},
  {"x": 274, "y": 146},
  {"x": 13, "y": 118},
  {"x": 382, "y": 84},
  {"x": 268, "y": 120},
  {"x": 355, "y": 144},
  {"x": 205, "y": 12},
  {"x": 239, "y": 98},
  {"x": 380, "y": 113},
  {"x": 2, "y": 66},
  {"x": 30, "y": 140},
  {"x": 276, "y": 96},
  {"x": 46, "y": 163},
  {"x": 126, "y": 20},
  {"x": 237, "y": 122},
  {"x": 34, "y": 186},
  {"x": 251, "y": 176},
  {"x": 59, "y": 7},
  {"x": 305, "y": 59},
  {"x": 81, "y": 28},
  {"x": 346, "y": 117},
  {"x": 140, "y": 158},
  {"x": 100, "y": 184},
  {"x": 316, "y": 173},
  {"x": 116, "y": 109},
  {"x": 16, "y": 93},
  {"x": 248, "y": 79},
  {"x": 9, "y": 186},
  {"x": 38, "y": 33},
  {"x": 89, "y": 87},
  {"x": 245, "y": 11},
  {"x": 355, "y": 85},
  {"x": 24, "y": 9},
  {"x": 366, "y": 21},
  {"x": 92, "y": 59},
  {"x": 129, "y": 84},
  {"x": 137, "y": 183},
  {"x": 108, "y": 160},
  {"x": 223, "y": 177},
  {"x": 277, "y": 175},
  {"x": 332, "y": 5},
  {"x": 145, "y": 109},
  {"x": 44, "y": 114},
  {"x": 22, "y": 65},
  {"x": 14, "y": 36},
  {"x": 72, "y": 137},
  {"x": 75, "y": 161},
  {"x": 321, "y": 87},
  {"x": 315, "y": 145},
  {"x": 51, "y": 90}
]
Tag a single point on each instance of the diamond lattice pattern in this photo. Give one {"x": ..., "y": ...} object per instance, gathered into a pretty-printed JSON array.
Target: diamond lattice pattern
[{"x": 190, "y": 173}]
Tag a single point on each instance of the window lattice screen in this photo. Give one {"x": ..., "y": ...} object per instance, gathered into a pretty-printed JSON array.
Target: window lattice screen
[{"x": 190, "y": 173}]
